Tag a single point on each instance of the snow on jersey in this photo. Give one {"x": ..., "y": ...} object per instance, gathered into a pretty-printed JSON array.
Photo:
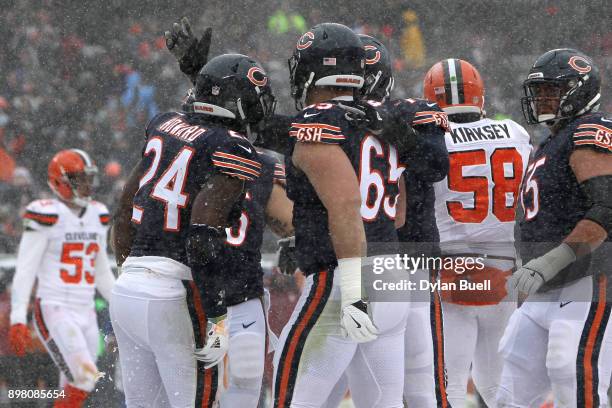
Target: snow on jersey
[
  {"x": 476, "y": 202},
  {"x": 66, "y": 273}
]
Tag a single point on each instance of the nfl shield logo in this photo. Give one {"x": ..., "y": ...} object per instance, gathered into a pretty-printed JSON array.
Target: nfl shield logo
[{"x": 215, "y": 90}]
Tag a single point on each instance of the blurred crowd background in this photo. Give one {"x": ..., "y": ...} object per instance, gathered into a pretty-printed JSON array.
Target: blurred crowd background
[{"x": 90, "y": 74}]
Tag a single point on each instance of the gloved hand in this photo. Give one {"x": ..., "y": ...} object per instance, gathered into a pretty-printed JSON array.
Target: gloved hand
[
  {"x": 287, "y": 262},
  {"x": 364, "y": 115},
  {"x": 191, "y": 53},
  {"x": 379, "y": 121},
  {"x": 19, "y": 339},
  {"x": 531, "y": 276},
  {"x": 217, "y": 342},
  {"x": 355, "y": 321}
]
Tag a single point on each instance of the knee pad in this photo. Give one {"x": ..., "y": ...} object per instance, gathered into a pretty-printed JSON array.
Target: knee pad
[
  {"x": 563, "y": 341},
  {"x": 246, "y": 359}
]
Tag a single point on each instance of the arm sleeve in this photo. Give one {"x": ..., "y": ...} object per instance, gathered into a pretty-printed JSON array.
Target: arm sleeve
[
  {"x": 104, "y": 275},
  {"x": 314, "y": 125},
  {"x": 428, "y": 161},
  {"x": 593, "y": 135},
  {"x": 31, "y": 250},
  {"x": 236, "y": 157}
]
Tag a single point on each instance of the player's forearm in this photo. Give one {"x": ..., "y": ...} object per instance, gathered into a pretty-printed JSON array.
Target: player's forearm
[
  {"x": 279, "y": 212},
  {"x": 586, "y": 237},
  {"x": 122, "y": 232},
  {"x": 346, "y": 229},
  {"x": 122, "y": 235},
  {"x": 104, "y": 275},
  {"x": 31, "y": 250}
]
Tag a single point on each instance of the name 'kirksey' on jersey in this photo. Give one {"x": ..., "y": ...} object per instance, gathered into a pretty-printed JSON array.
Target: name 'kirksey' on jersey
[
  {"x": 476, "y": 203},
  {"x": 370, "y": 158},
  {"x": 188, "y": 152}
]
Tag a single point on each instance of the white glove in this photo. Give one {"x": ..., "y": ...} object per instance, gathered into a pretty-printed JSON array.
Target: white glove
[
  {"x": 355, "y": 321},
  {"x": 531, "y": 276},
  {"x": 217, "y": 343}
]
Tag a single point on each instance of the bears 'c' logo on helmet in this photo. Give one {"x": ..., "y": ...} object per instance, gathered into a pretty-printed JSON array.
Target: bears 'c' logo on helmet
[
  {"x": 305, "y": 41},
  {"x": 373, "y": 60},
  {"x": 580, "y": 64},
  {"x": 257, "y": 76}
]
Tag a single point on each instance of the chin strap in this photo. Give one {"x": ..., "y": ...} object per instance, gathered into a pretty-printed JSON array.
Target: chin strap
[{"x": 299, "y": 104}]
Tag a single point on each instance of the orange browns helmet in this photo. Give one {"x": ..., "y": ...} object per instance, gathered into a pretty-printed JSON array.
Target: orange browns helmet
[
  {"x": 456, "y": 86},
  {"x": 71, "y": 176}
]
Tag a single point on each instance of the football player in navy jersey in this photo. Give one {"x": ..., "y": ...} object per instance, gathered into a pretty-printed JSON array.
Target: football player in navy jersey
[
  {"x": 423, "y": 153},
  {"x": 560, "y": 339},
  {"x": 170, "y": 230},
  {"x": 265, "y": 203},
  {"x": 425, "y": 157},
  {"x": 344, "y": 184}
]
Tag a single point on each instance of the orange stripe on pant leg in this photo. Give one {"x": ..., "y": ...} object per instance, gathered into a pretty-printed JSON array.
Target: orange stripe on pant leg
[
  {"x": 440, "y": 347},
  {"x": 208, "y": 377},
  {"x": 286, "y": 369},
  {"x": 588, "y": 354},
  {"x": 201, "y": 315},
  {"x": 197, "y": 304}
]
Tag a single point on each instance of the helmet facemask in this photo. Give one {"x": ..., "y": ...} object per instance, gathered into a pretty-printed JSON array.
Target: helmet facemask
[
  {"x": 76, "y": 188},
  {"x": 374, "y": 89},
  {"x": 563, "y": 79},
  {"x": 551, "y": 100},
  {"x": 82, "y": 185},
  {"x": 299, "y": 85}
]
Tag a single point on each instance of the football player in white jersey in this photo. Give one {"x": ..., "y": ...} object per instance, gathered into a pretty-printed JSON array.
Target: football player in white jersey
[
  {"x": 63, "y": 247},
  {"x": 475, "y": 212}
]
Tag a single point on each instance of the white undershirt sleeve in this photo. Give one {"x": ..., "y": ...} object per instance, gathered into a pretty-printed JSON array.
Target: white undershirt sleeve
[{"x": 31, "y": 250}]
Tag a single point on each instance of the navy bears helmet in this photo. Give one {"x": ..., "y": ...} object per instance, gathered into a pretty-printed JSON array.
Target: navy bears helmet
[
  {"x": 236, "y": 89},
  {"x": 328, "y": 54},
  {"x": 379, "y": 80},
  {"x": 565, "y": 77}
]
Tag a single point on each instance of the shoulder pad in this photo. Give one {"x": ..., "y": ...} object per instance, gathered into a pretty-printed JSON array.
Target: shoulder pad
[
  {"x": 102, "y": 212},
  {"x": 420, "y": 112},
  {"x": 157, "y": 119},
  {"x": 234, "y": 156},
  {"x": 277, "y": 168},
  {"x": 42, "y": 212},
  {"x": 318, "y": 124},
  {"x": 593, "y": 131}
]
